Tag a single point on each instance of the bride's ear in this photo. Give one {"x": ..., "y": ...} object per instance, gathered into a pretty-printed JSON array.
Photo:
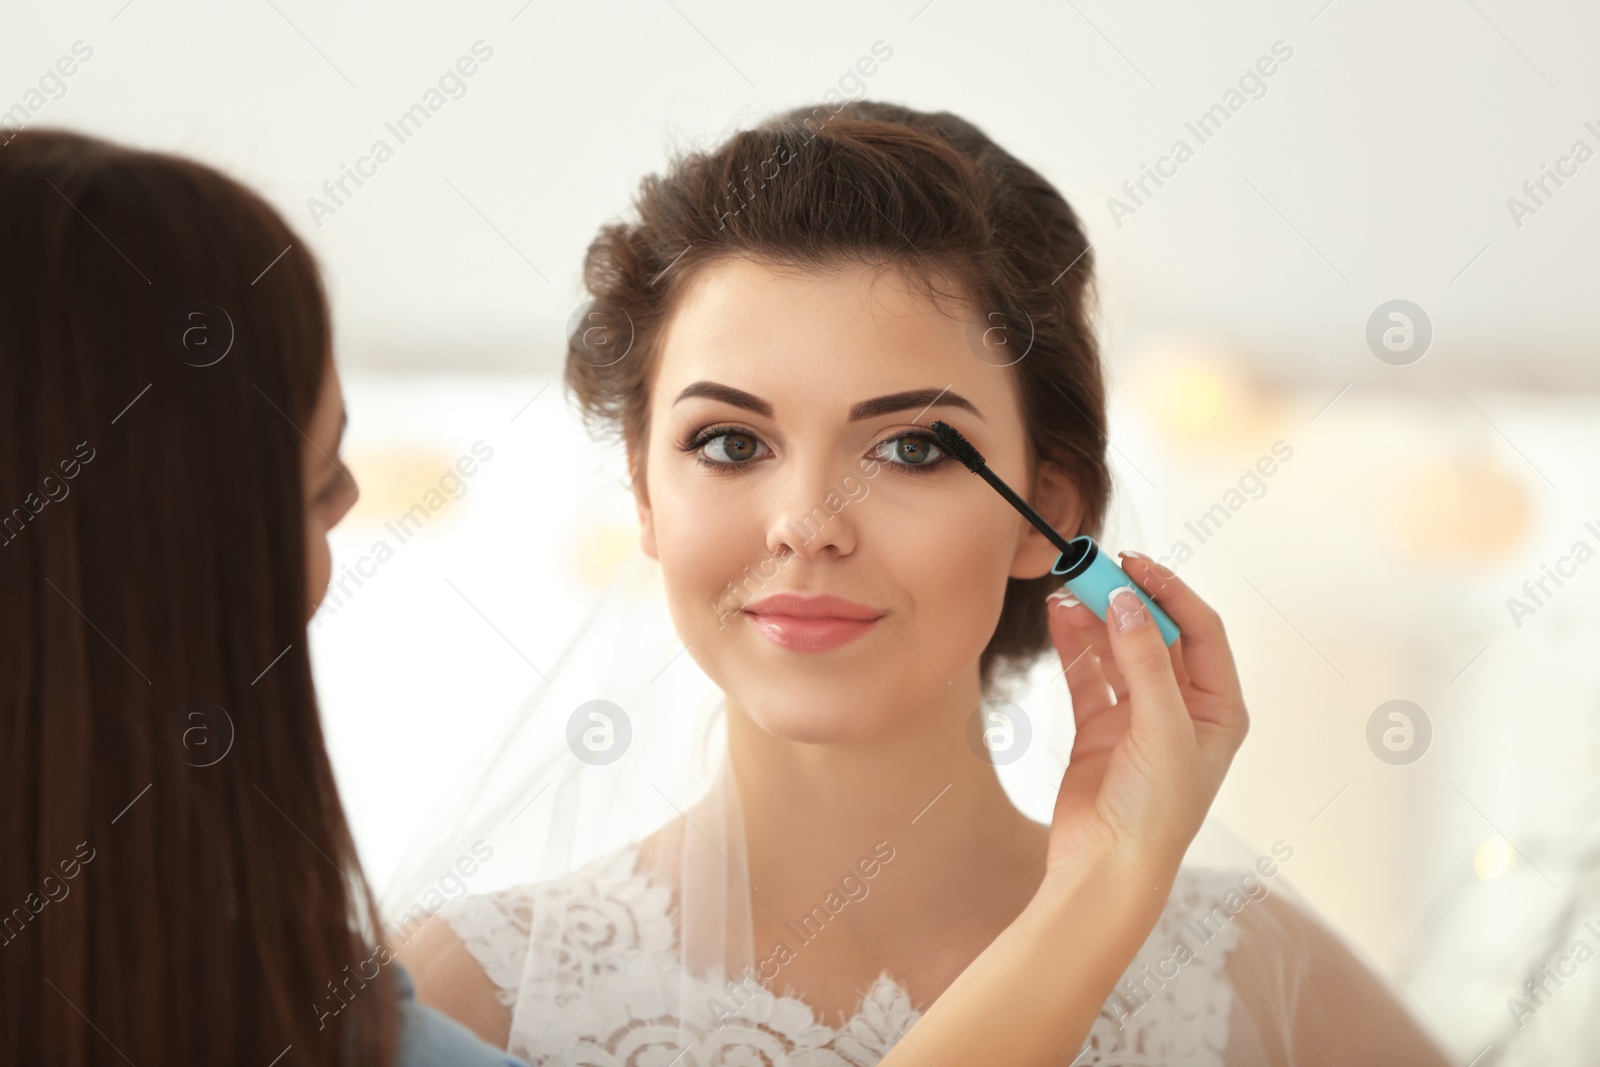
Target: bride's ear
[
  {"x": 641, "y": 500},
  {"x": 1061, "y": 504}
]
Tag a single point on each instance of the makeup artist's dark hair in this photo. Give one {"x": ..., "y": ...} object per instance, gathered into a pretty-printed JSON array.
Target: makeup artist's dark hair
[
  {"x": 178, "y": 882},
  {"x": 882, "y": 185}
]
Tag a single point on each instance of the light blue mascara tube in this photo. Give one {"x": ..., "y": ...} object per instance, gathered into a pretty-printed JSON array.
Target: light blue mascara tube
[{"x": 1092, "y": 575}]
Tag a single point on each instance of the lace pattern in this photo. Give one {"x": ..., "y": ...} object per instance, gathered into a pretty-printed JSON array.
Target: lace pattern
[{"x": 587, "y": 966}]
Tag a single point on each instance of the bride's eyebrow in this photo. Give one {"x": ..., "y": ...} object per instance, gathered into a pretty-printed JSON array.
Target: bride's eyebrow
[{"x": 918, "y": 400}]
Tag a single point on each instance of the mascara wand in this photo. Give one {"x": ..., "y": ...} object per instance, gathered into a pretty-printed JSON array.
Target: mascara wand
[
  {"x": 973, "y": 460},
  {"x": 1089, "y": 573}
]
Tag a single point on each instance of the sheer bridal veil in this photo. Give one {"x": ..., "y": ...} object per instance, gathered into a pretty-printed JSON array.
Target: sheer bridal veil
[{"x": 625, "y": 742}]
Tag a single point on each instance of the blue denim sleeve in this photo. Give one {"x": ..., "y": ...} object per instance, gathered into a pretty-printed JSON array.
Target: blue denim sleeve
[{"x": 429, "y": 1038}]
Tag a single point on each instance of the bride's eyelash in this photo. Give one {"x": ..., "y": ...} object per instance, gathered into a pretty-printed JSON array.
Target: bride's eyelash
[{"x": 701, "y": 438}]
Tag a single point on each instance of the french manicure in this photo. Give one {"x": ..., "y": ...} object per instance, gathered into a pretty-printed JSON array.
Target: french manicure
[
  {"x": 1127, "y": 608},
  {"x": 1062, "y": 599},
  {"x": 1130, "y": 553}
]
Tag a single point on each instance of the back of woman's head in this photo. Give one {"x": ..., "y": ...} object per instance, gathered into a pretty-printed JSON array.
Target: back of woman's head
[
  {"x": 179, "y": 883},
  {"x": 880, "y": 184}
]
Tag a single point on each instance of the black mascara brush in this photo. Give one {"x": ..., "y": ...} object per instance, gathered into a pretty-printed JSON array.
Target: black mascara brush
[
  {"x": 1090, "y": 573},
  {"x": 963, "y": 450}
]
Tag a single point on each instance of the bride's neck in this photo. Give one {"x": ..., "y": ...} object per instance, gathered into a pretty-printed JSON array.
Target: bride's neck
[{"x": 813, "y": 811}]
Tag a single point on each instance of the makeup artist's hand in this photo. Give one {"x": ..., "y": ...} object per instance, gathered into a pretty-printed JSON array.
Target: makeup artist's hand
[{"x": 1156, "y": 727}]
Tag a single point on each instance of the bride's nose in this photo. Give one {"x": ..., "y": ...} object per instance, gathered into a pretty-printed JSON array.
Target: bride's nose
[{"x": 811, "y": 515}]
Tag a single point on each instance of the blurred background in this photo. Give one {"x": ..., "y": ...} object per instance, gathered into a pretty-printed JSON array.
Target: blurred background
[{"x": 1350, "y": 326}]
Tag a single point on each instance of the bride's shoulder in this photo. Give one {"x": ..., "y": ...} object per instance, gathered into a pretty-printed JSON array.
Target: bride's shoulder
[
  {"x": 1298, "y": 984},
  {"x": 614, "y": 891},
  {"x": 1246, "y": 911},
  {"x": 1175, "y": 1001},
  {"x": 1213, "y": 916},
  {"x": 1224, "y": 908},
  {"x": 469, "y": 957}
]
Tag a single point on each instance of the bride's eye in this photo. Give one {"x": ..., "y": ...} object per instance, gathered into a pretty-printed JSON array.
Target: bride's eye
[
  {"x": 913, "y": 452},
  {"x": 723, "y": 448}
]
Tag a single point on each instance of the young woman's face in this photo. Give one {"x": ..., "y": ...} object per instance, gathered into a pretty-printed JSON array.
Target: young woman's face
[
  {"x": 763, "y": 479},
  {"x": 329, "y": 490}
]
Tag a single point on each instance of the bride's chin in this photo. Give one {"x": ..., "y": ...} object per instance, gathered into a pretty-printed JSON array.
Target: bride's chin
[{"x": 824, "y": 720}]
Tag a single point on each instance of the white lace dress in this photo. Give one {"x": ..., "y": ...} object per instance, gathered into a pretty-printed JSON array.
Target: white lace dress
[{"x": 604, "y": 985}]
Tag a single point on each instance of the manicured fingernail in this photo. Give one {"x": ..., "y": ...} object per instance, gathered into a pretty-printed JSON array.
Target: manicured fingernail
[
  {"x": 1161, "y": 569},
  {"x": 1127, "y": 608},
  {"x": 1062, "y": 599}
]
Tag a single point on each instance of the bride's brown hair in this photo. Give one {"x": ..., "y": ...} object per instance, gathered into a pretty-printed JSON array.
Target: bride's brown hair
[{"x": 869, "y": 183}]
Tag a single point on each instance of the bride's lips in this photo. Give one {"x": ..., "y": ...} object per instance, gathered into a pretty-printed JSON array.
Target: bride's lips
[{"x": 810, "y": 623}]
